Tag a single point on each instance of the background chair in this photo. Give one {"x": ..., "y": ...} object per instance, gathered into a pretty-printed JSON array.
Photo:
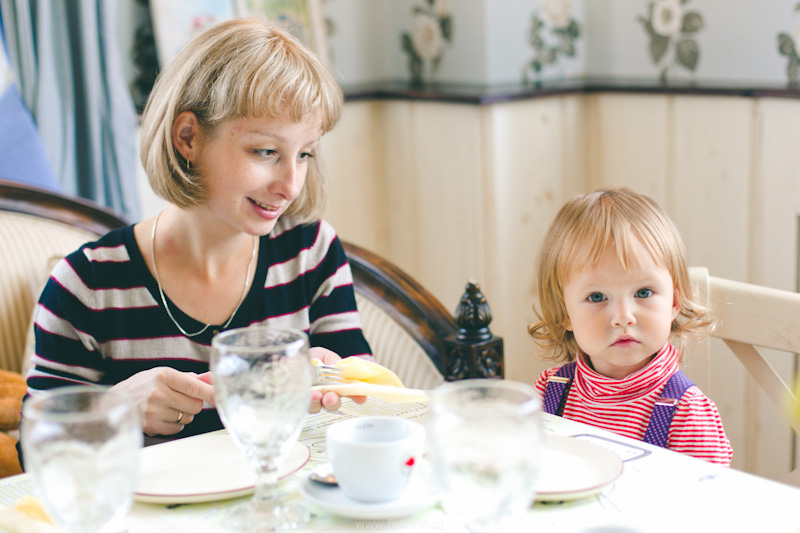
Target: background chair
[
  {"x": 751, "y": 318},
  {"x": 37, "y": 228}
]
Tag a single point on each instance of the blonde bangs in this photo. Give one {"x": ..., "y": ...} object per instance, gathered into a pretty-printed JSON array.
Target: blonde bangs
[
  {"x": 296, "y": 93},
  {"x": 612, "y": 223},
  {"x": 270, "y": 75}
]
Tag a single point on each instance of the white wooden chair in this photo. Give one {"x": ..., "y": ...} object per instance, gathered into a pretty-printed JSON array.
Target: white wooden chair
[{"x": 751, "y": 318}]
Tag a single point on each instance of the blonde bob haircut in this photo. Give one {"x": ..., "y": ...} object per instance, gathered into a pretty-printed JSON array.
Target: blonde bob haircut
[
  {"x": 236, "y": 69},
  {"x": 582, "y": 230}
]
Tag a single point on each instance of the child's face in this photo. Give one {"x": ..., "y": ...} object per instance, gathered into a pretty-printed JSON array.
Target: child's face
[{"x": 621, "y": 319}]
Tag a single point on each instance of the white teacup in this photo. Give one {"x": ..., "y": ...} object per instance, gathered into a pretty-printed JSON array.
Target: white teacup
[{"x": 374, "y": 457}]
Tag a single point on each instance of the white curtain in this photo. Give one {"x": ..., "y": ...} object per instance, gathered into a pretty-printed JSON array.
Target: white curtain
[{"x": 69, "y": 73}]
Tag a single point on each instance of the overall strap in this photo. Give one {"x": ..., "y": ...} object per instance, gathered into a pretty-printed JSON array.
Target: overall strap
[
  {"x": 557, "y": 389},
  {"x": 658, "y": 428}
]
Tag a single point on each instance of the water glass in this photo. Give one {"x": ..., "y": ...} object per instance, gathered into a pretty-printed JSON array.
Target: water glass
[
  {"x": 262, "y": 386},
  {"x": 81, "y": 445},
  {"x": 485, "y": 437}
]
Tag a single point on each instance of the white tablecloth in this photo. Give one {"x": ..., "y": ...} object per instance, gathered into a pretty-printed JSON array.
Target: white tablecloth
[{"x": 659, "y": 490}]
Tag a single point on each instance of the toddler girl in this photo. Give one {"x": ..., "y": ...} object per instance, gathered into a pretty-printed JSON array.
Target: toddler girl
[{"x": 613, "y": 288}]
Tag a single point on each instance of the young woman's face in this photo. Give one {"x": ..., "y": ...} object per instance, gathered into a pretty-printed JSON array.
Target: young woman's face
[
  {"x": 254, "y": 167},
  {"x": 621, "y": 319}
]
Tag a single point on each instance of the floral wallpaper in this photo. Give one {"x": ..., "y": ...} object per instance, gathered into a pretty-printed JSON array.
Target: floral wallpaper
[
  {"x": 424, "y": 45},
  {"x": 487, "y": 42},
  {"x": 789, "y": 46},
  {"x": 671, "y": 26},
  {"x": 552, "y": 35}
]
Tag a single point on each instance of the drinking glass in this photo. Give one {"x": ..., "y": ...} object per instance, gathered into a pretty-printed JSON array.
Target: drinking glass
[
  {"x": 262, "y": 386},
  {"x": 81, "y": 445},
  {"x": 485, "y": 439}
]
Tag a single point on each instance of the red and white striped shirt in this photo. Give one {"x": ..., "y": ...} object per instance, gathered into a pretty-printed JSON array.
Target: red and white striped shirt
[{"x": 624, "y": 406}]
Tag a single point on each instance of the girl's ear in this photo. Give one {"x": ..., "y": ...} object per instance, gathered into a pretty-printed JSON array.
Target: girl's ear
[
  {"x": 185, "y": 130},
  {"x": 676, "y": 303},
  {"x": 567, "y": 324}
]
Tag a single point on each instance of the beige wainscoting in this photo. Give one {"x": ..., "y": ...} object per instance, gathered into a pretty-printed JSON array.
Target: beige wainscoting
[{"x": 455, "y": 191}]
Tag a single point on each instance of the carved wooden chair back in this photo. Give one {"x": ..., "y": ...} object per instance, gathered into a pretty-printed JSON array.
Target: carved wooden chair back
[{"x": 412, "y": 333}]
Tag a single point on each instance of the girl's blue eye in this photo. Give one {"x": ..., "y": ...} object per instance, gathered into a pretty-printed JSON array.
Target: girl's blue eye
[
  {"x": 264, "y": 153},
  {"x": 305, "y": 156},
  {"x": 596, "y": 297},
  {"x": 644, "y": 293}
]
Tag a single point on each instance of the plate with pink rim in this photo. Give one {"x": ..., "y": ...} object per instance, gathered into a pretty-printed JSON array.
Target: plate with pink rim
[
  {"x": 571, "y": 469},
  {"x": 203, "y": 468}
]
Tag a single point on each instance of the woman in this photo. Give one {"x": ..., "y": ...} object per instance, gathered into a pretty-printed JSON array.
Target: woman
[{"x": 229, "y": 138}]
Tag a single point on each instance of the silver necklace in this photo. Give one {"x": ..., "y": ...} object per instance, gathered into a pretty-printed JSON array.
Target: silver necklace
[{"x": 164, "y": 300}]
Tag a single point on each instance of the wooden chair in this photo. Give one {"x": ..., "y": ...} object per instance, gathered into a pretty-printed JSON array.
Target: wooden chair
[
  {"x": 413, "y": 334},
  {"x": 751, "y": 318}
]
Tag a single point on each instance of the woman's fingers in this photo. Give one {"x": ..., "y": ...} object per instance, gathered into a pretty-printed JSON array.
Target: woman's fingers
[
  {"x": 182, "y": 417},
  {"x": 358, "y": 399},
  {"x": 330, "y": 401},
  {"x": 162, "y": 394},
  {"x": 192, "y": 386},
  {"x": 154, "y": 428},
  {"x": 316, "y": 402},
  {"x": 325, "y": 355}
]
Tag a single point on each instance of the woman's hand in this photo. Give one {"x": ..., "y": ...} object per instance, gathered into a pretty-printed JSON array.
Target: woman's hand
[
  {"x": 330, "y": 400},
  {"x": 325, "y": 355},
  {"x": 168, "y": 399}
]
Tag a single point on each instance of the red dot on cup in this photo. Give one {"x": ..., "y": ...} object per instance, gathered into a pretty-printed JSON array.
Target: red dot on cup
[{"x": 410, "y": 461}]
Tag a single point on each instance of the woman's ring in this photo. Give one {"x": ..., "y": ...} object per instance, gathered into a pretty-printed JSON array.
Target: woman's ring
[{"x": 180, "y": 417}]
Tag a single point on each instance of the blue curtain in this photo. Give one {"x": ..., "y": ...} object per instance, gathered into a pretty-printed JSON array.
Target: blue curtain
[
  {"x": 22, "y": 156},
  {"x": 69, "y": 73}
]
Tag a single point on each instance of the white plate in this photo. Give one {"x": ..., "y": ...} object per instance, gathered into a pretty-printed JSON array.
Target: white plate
[
  {"x": 419, "y": 495},
  {"x": 202, "y": 469},
  {"x": 572, "y": 469}
]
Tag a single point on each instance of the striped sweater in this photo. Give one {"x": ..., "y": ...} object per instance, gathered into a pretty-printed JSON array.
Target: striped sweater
[
  {"x": 624, "y": 406},
  {"x": 100, "y": 319}
]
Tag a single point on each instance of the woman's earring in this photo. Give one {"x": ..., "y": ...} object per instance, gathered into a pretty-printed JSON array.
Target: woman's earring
[{"x": 188, "y": 167}]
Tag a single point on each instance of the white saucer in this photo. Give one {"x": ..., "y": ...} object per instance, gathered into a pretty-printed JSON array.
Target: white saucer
[
  {"x": 203, "y": 468},
  {"x": 419, "y": 495},
  {"x": 571, "y": 469}
]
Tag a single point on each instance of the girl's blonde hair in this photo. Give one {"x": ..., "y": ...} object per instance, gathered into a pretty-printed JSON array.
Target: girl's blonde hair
[
  {"x": 583, "y": 229},
  {"x": 236, "y": 69}
]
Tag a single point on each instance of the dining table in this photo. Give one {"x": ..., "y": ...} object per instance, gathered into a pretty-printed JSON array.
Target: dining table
[{"x": 600, "y": 482}]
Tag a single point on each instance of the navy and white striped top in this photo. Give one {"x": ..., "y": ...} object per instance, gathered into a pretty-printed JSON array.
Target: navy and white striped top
[{"x": 100, "y": 319}]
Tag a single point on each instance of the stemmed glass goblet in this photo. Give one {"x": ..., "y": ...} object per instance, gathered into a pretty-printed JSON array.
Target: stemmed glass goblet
[
  {"x": 81, "y": 445},
  {"x": 262, "y": 386}
]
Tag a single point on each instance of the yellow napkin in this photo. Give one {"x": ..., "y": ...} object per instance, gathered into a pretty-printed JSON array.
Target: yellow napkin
[{"x": 366, "y": 378}]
